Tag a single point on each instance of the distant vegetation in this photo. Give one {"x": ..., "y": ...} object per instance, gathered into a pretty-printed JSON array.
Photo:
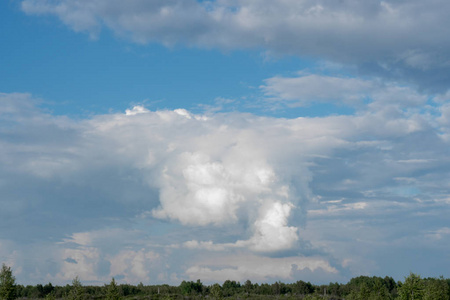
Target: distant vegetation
[{"x": 359, "y": 288}]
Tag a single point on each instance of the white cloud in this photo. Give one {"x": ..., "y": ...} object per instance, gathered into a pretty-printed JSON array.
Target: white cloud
[
  {"x": 208, "y": 245},
  {"x": 307, "y": 89},
  {"x": 8, "y": 255},
  {"x": 96, "y": 256},
  {"x": 196, "y": 190},
  {"x": 338, "y": 208},
  {"x": 134, "y": 266},
  {"x": 390, "y": 38},
  {"x": 136, "y": 110},
  {"x": 440, "y": 233},
  {"x": 444, "y": 119},
  {"x": 229, "y": 182},
  {"x": 272, "y": 232},
  {"x": 82, "y": 262},
  {"x": 255, "y": 268}
]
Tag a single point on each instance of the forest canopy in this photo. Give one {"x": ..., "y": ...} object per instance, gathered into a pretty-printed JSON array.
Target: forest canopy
[{"x": 362, "y": 287}]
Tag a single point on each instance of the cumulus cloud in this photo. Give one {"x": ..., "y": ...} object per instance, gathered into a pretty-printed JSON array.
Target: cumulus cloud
[
  {"x": 242, "y": 267},
  {"x": 96, "y": 256},
  {"x": 133, "y": 266},
  {"x": 198, "y": 191},
  {"x": 396, "y": 39},
  {"x": 272, "y": 231},
  {"x": 162, "y": 195},
  {"x": 81, "y": 262},
  {"x": 172, "y": 183}
]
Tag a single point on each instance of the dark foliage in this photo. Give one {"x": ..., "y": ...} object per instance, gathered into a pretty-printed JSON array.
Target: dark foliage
[{"x": 362, "y": 287}]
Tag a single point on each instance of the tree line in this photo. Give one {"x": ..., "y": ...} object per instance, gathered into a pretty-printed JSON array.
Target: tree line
[{"x": 359, "y": 288}]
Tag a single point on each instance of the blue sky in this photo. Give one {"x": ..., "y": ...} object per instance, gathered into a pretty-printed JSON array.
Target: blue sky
[{"x": 160, "y": 141}]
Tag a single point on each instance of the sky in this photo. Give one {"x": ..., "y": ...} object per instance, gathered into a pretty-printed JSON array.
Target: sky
[{"x": 157, "y": 141}]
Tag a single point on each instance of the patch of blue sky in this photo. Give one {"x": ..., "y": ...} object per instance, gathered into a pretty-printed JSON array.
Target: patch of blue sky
[
  {"x": 71, "y": 260},
  {"x": 155, "y": 228},
  {"x": 406, "y": 191},
  {"x": 79, "y": 76}
]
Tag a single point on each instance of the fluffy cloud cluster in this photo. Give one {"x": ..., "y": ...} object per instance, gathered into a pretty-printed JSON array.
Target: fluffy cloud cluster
[
  {"x": 159, "y": 195},
  {"x": 198, "y": 191},
  {"x": 242, "y": 267},
  {"x": 167, "y": 195},
  {"x": 395, "y": 39}
]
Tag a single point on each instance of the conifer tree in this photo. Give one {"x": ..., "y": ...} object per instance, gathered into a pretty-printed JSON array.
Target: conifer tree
[
  {"x": 77, "y": 291},
  {"x": 412, "y": 288},
  {"x": 112, "y": 291}
]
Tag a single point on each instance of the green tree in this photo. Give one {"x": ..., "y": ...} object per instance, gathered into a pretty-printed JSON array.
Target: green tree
[
  {"x": 7, "y": 284},
  {"x": 216, "y": 292},
  {"x": 303, "y": 288},
  {"x": 77, "y": 291},
  {"x": 48, "y": 288},
  {"x": 112, "y": 291},
  {"x": 230, "y": 287},
  {"x": 436, "y": 289},
  {"x": 248, "y": 286},
  {"x": 379, "y": 290},
  {"x": 412, "y": 288},
  {"x": 364, "y": 291},
  {"x": 191, "y": 288}
]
